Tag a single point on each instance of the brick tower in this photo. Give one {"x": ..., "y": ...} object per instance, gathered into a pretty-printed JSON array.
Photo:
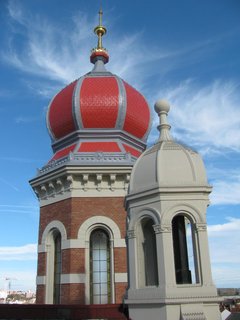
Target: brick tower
[{"x": 98, "y": 126}]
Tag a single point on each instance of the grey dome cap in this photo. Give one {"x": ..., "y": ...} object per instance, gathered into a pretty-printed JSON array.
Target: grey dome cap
[{"x": 167, "y": 163}]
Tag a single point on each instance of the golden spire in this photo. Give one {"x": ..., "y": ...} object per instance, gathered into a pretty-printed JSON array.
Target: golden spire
[
  {"x": 100, "y": 30},
  {"x": 99, "y": 52}
]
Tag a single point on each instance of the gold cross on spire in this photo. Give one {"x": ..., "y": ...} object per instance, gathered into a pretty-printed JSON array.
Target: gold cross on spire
[{"x": 100, "y": 30}]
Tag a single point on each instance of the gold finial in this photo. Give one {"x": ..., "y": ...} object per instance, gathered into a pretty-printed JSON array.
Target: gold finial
[
  {"x": 100, "y": 30},
  {"x": 99, "y": 53}
]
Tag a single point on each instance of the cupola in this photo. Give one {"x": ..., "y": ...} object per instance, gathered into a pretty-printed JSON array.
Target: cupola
[{"x": 169, "y": 267}]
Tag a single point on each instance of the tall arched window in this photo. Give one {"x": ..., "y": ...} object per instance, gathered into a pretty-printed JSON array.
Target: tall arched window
[
  {"x": 147, "y": 254},
  {"x": 185, "y": 253},
  {"x": 57, "y": 267},
  {"x": 54, "y": 267},
  {"x": 100, "y": 273}
]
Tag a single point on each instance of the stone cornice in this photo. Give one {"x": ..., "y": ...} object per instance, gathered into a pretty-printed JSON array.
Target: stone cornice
[
  {"x": 167, "y": 193},
  {"x": 81, "y": 182},
  {"x": 90, "y": 159}
]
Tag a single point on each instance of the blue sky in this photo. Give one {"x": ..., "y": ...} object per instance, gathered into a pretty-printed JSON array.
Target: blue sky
[{"x": 184, "y": 51}]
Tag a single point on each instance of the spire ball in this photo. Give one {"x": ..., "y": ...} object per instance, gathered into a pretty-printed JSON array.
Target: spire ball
[{"x": 162, "y": 106}]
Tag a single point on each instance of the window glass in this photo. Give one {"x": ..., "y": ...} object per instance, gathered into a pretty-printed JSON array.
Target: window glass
[{"x": 100, "y": 267}]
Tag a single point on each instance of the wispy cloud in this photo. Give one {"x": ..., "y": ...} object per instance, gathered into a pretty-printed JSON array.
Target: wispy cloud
[
  {"x": 225, "y": 229},
  {"x": 19, "y": 209},
  {"x": 51, "y": 52},
  {"x": 26, "y": 252},
  {"x": 226, "y": 185},
  {"x": 9, "y": 184},
  {"x": 25, "y": 120},
  {"x": 226, "y": 192},
  {"x": 224, "y": 242},
  {"x": 205, "y": 116}
]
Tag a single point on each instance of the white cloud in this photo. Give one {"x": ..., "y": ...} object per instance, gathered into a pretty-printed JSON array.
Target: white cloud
[
  {"x": 225, "y": 192},
  {"x": 224, "y": 240},
  {"x": 223, "y": 229},
  {"x": 207, "y": 117},
  {"x": 226, "y": 184},
  {"x": 52, "y": 52},
  {"x": 49, "y": 52},
  {"x": 26, "y": 252},
  {"x": 226, "y": 276}
]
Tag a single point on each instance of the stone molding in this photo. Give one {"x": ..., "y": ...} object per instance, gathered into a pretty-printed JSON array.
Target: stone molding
[
  {"x": 104, "y": 182},
  {"x": 131, "y": 234},
  {"x": 162, "y": 228},
  {"x": 198, "y": 227},
  {"x": 120, "y": 277},
  {"x": 90, "y": 158},
  {"x": 80, "y": 278},
  {"x": 193, "y": 316}
]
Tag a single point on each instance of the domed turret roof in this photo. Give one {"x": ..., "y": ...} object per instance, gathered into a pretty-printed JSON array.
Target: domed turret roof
[
  {"x": 167, "y": 163},
  {"x": 99, "y": 112},
  {"x": 99, "y": 100}
]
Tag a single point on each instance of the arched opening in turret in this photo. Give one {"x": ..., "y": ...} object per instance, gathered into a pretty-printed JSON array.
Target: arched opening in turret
[
  {"x": 100, "y": 267},
  {"x": 185, "y": 250},
  {"x": 147, "y": 254},
  {"x": 54, "y": 267}
]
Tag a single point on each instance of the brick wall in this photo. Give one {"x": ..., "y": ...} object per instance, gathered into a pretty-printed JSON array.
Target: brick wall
[
  {"x": 72, "y": 213},
  {"x": 73, "y": 293}
]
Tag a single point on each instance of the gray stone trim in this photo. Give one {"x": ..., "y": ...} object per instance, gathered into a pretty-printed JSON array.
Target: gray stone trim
[
  {"x": 122, "y": 103},
  {"x": 99, "y": 67},
  {"x": 162, "y": 228},
  {"x": 76, "y": 104},
  {"x": 41, "y": 280},
  {"x": 193, "y": 316},
  {"x": 94, "y": 74},
  {"x": 90, "y": 158},
  {"x": 99, "y": 134},
  {"x": 121, "y": 146},
  {"x": 200, "y": 227},
  {"x": 73, "y": 278},
  {"x": 131, "y": 234},
  {"x": 120, "y": 277}
]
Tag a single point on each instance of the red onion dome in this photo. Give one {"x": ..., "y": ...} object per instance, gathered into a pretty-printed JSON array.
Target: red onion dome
[
  {"x": 98, "y": 112},
  {"x": 98, "y": 101}
]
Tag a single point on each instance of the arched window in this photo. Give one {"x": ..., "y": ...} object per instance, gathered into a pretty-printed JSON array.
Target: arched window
[
  {"x": 57, "y": 267},
  {"x": 100, "y": 271},
  {"x": 147, "y": 254},
  {"x": 185, "y": 253},
  {"x": 54, "y": 267}
]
